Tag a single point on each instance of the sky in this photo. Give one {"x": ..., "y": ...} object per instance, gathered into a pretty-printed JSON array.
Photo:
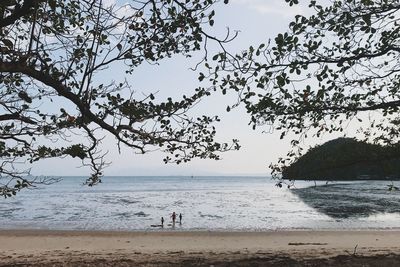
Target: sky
[{"x": 257, "y": 21}]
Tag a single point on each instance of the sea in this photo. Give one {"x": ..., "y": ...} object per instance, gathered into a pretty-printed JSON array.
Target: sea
[{"x": 212, "y": 203}]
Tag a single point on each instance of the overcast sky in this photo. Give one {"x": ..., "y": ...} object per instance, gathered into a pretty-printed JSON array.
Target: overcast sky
[{"x": 257, "y": 21}]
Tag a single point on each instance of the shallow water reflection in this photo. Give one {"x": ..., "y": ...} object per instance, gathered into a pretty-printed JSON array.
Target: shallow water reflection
[{"x": 349, "y": 200}]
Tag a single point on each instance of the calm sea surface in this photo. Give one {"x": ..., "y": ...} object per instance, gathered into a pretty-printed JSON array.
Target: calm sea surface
[{"x": 206, "y": 203}]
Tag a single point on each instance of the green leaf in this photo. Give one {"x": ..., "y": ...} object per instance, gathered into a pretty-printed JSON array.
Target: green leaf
[
  {"x": 9, "y": 44},
  {"x": 24, "y": 96},
  {"x": 52, "y": 4},
  {"x": 201, "y": 77}
]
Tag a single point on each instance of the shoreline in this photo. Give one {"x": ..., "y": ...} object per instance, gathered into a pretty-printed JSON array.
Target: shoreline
[
  {"x": 169, "y": 229},
  {"x": 72, "y": 248},
  {"x": 178, "y": 229}
]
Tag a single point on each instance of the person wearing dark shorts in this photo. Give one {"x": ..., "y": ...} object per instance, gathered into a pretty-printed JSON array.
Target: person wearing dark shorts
[{"x": 173, "y": 216}]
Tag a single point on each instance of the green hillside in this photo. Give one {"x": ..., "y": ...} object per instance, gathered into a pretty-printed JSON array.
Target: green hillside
[{"x": 346, "y": 159}]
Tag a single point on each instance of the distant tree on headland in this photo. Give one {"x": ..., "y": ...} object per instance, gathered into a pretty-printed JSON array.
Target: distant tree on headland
[
  {"x": 337, "y": 66},
  {"x": 345, "y": 159},
  {"x": 52, "y": 104}
]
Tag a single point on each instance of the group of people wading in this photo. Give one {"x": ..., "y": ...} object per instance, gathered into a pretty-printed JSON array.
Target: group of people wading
[{"x": 173, "y": 217}]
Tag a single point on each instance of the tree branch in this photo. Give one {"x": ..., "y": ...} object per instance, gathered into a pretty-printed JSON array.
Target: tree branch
[{"x": 19, "y": 12}]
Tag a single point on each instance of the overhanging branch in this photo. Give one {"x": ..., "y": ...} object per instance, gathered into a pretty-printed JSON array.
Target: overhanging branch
[{"x": 19, "y": 12}]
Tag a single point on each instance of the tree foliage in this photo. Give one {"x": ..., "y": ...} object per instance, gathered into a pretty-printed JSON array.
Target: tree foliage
[
  {"x": 55, "y": 56},
  {"x": 327, "y": 70}
]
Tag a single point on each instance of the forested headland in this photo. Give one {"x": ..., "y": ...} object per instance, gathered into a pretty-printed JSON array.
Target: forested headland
[{"x": 346, "y": 159}]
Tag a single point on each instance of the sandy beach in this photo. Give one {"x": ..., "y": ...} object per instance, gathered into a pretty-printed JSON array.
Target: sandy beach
[{"x": 275, "y": 248}]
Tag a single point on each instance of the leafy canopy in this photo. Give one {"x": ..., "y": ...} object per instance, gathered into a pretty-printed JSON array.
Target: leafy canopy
[
  {"x": 52, "y": 104},
  {"x": 325, "y": 72}
]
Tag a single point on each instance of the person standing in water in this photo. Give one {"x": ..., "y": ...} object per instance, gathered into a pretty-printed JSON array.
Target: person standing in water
[
  {"x": 173, "y": 216},
  {"x": 180, "y": 218},
  {"x": 162, "y": 222}
]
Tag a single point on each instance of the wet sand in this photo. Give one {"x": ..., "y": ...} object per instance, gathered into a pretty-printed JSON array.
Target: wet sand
[{"x": 166, "y": 248}]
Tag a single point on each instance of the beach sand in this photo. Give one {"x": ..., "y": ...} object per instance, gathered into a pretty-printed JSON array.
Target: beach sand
[{"x": 167, "y": 248}]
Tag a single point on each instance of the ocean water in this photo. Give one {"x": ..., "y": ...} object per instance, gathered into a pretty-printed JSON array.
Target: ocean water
[{"x": 206, "y": 203}]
